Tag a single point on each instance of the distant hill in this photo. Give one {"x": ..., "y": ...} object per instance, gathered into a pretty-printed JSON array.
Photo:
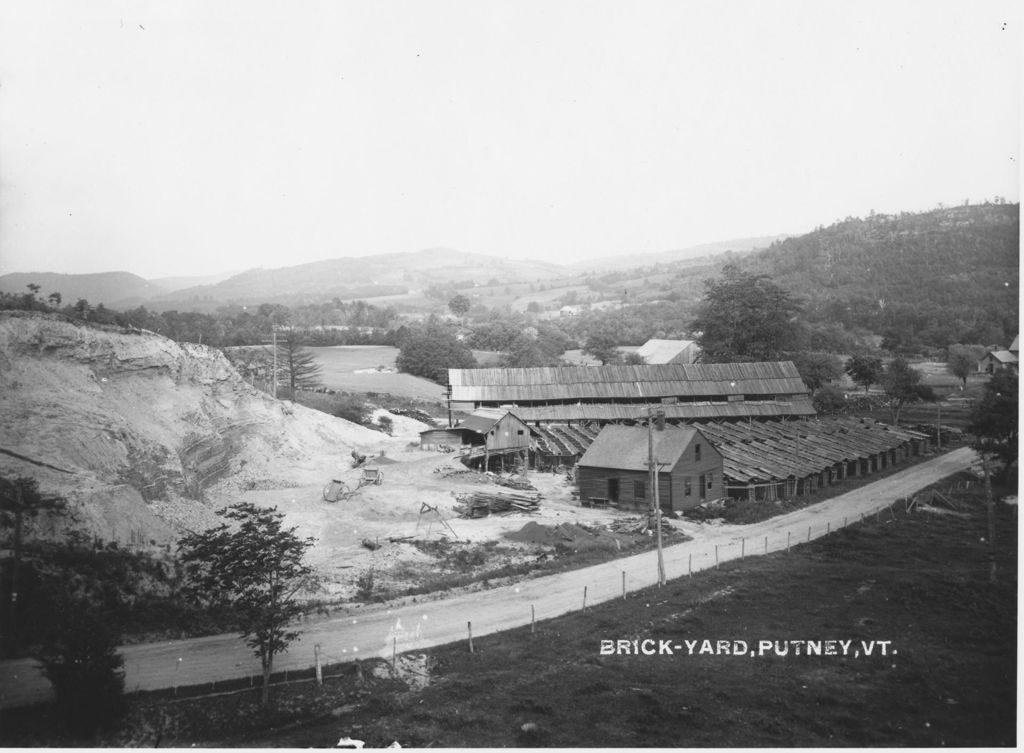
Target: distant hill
[
  {"x": 111, "y": 288},
  {"x": 359, "y": 277},
  {"x": 170, "y": 284},
  {"x": 918, "y": 279},
  {"x": 614, "y": 263}
]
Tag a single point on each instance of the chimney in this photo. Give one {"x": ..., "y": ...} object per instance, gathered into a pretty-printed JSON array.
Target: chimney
[{"x": 659, "y": 419}]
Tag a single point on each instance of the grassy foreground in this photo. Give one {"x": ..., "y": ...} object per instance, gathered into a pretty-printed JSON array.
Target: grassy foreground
[{"x": 919, "y": 580}]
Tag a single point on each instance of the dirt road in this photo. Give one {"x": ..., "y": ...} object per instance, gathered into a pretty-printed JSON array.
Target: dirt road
[{"x": 377, "y": 631}]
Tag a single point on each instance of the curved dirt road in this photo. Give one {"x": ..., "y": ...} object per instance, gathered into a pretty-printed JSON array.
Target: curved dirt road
[{"x": 375, "y": 631}]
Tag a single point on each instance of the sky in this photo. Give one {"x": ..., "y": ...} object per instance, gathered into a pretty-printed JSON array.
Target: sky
[{"x": 193, "y": 138}]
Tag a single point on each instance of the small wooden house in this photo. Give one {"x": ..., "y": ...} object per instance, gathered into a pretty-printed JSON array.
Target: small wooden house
[
  {"x": 488, "y": 433},
  {"x": 615, "y": 468},
  {"x": 996, "y": 360}
]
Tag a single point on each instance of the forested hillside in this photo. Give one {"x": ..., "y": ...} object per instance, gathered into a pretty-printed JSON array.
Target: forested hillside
[{"x": 919, "y": 280}]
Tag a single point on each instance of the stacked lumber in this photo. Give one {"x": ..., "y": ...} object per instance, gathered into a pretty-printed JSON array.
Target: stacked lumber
[
  {"x": 482, "y": 504},
  {"x": 514, "y": 483}
]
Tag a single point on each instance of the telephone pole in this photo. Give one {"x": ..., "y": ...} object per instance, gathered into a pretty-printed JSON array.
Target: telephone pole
[{"x": 652, "y": 465}]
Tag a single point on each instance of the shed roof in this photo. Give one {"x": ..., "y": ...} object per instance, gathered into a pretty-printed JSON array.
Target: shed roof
[
  {"x": 797, "y": 405},
  {"x": 625, "y": 447},
  {"x": 625, "y": 382},
  {"x": 662, "y": 351}
]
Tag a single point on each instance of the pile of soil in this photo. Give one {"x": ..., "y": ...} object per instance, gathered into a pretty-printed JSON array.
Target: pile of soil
[{"x": 566, "y": 534}]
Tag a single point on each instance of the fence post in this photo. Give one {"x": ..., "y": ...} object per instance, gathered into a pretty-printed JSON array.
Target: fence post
[
  {"x": 584, "y": 597},
  {"x": 766, "y": 545},
  {"x": 319, "y": 668},
  {"x": 844, "y": 521},
  {"x": 808, "y": 533},
  {"x": 623, "y": 585},
  {"x": 394, "y": 653},
  {"x": 789, "y": 535},
  {"x": 469, "y": 627},
  {"x": 828, "y": 527},
  {"x": 743, "y": 547},
  {"x": 533, "y": 618},
  {"x": 716, "y": 556},
  {"x": 689, "y": 565}
]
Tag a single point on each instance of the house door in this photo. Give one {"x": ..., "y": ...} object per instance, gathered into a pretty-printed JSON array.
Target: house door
[
  {"x": 613, "y": 489},
  {"x": 703, "y": 487}
]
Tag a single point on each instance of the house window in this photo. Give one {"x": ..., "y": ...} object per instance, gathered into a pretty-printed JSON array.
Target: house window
[
  {"x": 711, "y": 480},
  {"x": 687, "y": 486},
  {"x": 639, "y": 490},
  {"x": 696, "y": 452},
  {"x": 520, "y": 432}
]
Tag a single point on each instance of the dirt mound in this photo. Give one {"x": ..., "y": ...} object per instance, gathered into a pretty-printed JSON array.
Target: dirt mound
[
  {"x": 136, "y": 430},
  {"x": 566, "y": 534}
]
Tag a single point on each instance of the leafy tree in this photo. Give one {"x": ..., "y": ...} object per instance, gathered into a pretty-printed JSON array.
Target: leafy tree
[
  {"x": 864, "y": 370},
  {"x": 817, "y": 369},
  {"x": 256, "y": 566},
  {"x": 634, "y": 359},
  {"x": 297, "y": 363},
  {"x": 602, "y": 346},
  {"x": 431, "y": 350},
  {"x": 54, "y": 299},
  {"x": 459, "y": 305},
  {"x": 82, "y": 308},
  {"x": 78, "y": 651},
  {"x": 829, "y": 399},
  {"x": 994, "y": 420},
  {"x": 20, "y": 498},
  {"x": 745, "y": 317},
  {"x": 963, "y": 360},
  {"x": 386, "y": 423},
  {"x": 902, "y": 384}
]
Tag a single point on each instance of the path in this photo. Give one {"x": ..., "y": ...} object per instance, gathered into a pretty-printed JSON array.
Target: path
[{"x": 374, "y": 631}]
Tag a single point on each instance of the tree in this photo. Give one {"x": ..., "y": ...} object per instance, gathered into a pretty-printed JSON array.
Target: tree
[
  {"x": 829, "y": 399},
  {"x": 817, "y": 369},
  {"x": 745, "y": 317},
  {"x": 864, "y": 370},
  {"x": 602, "y": 346},
  {"x": 431, "y": 350},
  {"x": 297, "y": 363},
  {"x": 82, "y": 308},
  {"x": 257, "y": 567},
  {"x": 78, "y": 652},
  {"x": 963, "y": 360},
  {"x": 54, "y": 299},
  {"x": 902, "y": 385},
  {"x": 994, "y": 420},
  {"x": 459, "y": 305}
]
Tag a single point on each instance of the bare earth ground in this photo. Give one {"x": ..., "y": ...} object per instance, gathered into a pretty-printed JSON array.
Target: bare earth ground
[{"x": 411, "y": 625}]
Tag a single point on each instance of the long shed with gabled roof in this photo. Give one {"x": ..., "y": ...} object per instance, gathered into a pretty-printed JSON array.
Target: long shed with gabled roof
[{"x": 671, "y": 382}]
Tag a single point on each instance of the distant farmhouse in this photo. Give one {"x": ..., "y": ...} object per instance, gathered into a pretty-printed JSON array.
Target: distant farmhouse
[
  {"x": 669, "y": 351},
  {"x": 994, "y": 360}
]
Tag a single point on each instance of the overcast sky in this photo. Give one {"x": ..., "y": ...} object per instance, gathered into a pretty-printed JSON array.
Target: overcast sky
[{"x": 167, "y": 138}]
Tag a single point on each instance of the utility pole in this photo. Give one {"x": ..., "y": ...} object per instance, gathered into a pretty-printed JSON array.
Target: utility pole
[
  {"x": 990, "y": 506},
  {"x": 655, "y": 502},
  {"x": 938, "y": 425},
  {"x": 275, "y": 361}
]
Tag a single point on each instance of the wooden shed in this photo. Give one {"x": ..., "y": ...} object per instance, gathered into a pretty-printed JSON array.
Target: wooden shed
[
  {"x": 615, "y": 468},
  {"x": 488, "y": 433}
]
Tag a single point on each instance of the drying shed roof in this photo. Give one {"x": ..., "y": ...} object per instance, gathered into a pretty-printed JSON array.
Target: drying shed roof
[
  {"x": 625, "y": 382},
  {"x": 797, "y": 405},
  {"x": 662, "y": 351},
  {"x": 625, "y": 447}
]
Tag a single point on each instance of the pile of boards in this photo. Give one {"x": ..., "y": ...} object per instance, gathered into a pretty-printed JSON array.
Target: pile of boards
[{"x": 482, "y": 504}]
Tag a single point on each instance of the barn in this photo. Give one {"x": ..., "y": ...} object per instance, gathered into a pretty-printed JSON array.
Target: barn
[{"x": 615, "y": 468}]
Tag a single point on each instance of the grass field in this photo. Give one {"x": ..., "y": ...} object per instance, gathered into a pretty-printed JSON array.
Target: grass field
[
  {"x": 341, "y": 364},
  {"x": 918, "y": 580}
]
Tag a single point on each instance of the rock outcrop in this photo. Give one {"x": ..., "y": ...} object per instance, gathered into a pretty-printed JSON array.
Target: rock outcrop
[{"x": 145, "y": 436}]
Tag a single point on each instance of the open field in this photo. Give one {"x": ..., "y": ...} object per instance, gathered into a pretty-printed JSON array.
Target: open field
[{"x": 370, "y": 368}]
